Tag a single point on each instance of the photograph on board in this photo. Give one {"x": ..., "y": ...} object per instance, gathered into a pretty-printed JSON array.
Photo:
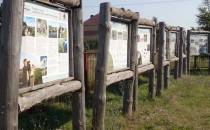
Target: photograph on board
[
  {"x": 53, "y": 29},
  {"x": 41, "y": 28},
  {"x": 28, "y": 26}
]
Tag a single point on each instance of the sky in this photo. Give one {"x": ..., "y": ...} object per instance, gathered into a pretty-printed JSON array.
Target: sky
[{"x": 173, "y": 12}]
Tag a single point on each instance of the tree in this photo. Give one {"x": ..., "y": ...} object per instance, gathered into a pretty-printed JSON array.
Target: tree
[{"x": 204, "y": 15}]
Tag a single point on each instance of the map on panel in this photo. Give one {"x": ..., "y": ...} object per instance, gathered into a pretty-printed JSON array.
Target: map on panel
[
  {"x": 198, "y": 44},
  {"x": 44, "y": 49},
  {"x": 172, "y": 44}
]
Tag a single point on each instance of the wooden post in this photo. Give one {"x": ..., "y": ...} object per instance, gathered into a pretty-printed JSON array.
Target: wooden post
[
  {"x": 129, "y": 93},
  {"x": 99, "y": 104},
  {"x": 209, "y": 51},
  {"x": 160, "y": 46},
  {"x": 11, "y": 35},
  {"x": 176, "y": 67},
  {"x": 185, "y": 53},
  {"x": 151, "y": 93},
  {"x": 188, "y": 51},
  {"x": 78, "y": 100},
  {"x": 167, "y": 67},
  {"x": 181, "y": 53}
]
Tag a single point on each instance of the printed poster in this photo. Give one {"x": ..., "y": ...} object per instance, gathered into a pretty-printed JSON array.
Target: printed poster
[
  {"x": 172, "y": 44},
  {"x": 117, "y": 59},
  {"x": 143, "y": 45},
  {"x": 198, "y": 44},
  {"x": 44, "y": 49}
]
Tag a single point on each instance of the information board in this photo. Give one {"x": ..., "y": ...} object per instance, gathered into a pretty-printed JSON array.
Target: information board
[
  {"x": 172, "y": 44},
  {"x": 118, "y": 48},
  {"x": 143, "y": 45},
  {"x": 198, "y": 44},
  {"x": 45, "y": 45}
]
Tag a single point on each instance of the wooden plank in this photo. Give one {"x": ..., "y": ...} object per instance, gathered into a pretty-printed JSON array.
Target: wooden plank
[
  {"x": 174, "y": 59},
  {"x": 99, "y": 98},
  {"x": 131, "y": 85},
  {"x": 29, "y": 89},
  {"x": 181, "y": 52},
  {"x": 78, "y": 100},
  {"x": 209, "y": 51},
  {"x": 123, "y": 13},
  {"x": 28, "y": 100},
  {"x": 188, "y": 51},
  {"x": 166, "y": 76},
  {"x": 165, "y": 63},
  {"x": 69, "y": 3},
  {"x": 146, "y": 68},
  {"x": 10, "y": 44},
  {"x": 120, "y": 76}
]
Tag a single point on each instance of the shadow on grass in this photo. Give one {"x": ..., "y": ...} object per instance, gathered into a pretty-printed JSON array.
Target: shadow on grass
[
  {"x": 47, "y": 116},
  {"x": 198, "y": 72}
]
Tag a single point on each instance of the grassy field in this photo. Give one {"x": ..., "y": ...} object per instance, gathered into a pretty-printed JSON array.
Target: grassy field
[{"x": 184, "y": 106}]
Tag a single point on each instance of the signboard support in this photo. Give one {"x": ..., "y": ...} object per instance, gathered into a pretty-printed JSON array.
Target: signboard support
[
  {"x": 181, "y": 52},
  {"x": 184, "y": 53},
  {"x": 160, "y": 68},
  {"x": 78, "y": 100},
  {"x": 176, "y": 66},
  {"x": 167, "y": 67},
  {"x": 11, "y": 34},
  {"x": 209, "y": 52},
  {"x": 188, "y": 51}
]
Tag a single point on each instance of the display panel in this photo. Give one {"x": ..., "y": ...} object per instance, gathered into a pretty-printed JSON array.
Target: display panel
[
  {"x": 198, "y": 44},
  {"x": 45, "y": 45},
  {"x": 143, "y": 45},
  {"x": 118, "y": 48},
  {"x": 172, "y": 44}
]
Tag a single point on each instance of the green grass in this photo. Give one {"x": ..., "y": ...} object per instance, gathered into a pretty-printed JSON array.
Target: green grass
[{"x": 184, "y": 106}]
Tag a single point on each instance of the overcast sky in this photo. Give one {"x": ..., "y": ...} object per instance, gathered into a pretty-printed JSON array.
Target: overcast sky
[{"x": 173, "y": 12}]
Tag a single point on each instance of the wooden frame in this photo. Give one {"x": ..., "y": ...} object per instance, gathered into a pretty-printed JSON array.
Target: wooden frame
[
  {"x": 194, "y": 32},
  {"x": 103, "y": 79},
  {"x": 149, "y": 67},
  {"x": 9, "y": 70}
]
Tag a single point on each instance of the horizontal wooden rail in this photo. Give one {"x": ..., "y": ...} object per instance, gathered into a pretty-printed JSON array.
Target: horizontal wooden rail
[
  {"x": 142, "y": 69},
  {"x": 123, "y": 13},
  {"x": 146, "y": 22},
  {"x": 119, "y": 76},
  {"x": 69, "y": 3},
  {"x": 174, "y": 59},
  {"x": 28, "y": 100},
  {"x": 165, "y": 63}
]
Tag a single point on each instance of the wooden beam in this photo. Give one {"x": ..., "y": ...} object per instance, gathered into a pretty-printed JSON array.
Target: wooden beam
[
  {"x": 28, "y": 100},
  {"x": 123, "y": 13},
  {"x": 176, "y": 66},
  {"x": 10, "y": 44},
  {"x": 146, "y": 22},
  {"x": 120, "y": 76},
  {"x": 181, "y": 52},
  {"x": 188, "y": 51},
  {"x": 67, "y": 3},
  {"x": 99, "y": 98},
  {"x": 78, "y": 100},
  {"x": 146, "y": 68},
  {"x": 209, "y": 52}
]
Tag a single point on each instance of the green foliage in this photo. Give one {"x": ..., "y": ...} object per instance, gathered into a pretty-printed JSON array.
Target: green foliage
[{"x": 204, "y": 15}]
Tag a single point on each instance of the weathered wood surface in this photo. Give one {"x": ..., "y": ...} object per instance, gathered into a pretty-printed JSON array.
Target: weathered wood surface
[
  {"x": 71, "y": 47},
  {"x": 78, "y": 98},
  {"x": 166, "y": 76},
  {"x": 165, "y": 63},
  {"x": 29, "y": 89},
  {"x": 123, "y": 13},
  {"x": 181, "y": 52},
  {"x": 174, "y": 59},
  {"x": 99, "y": 98},
  {"x": 120, "y": 76},
  {"x": 69, "y": 3},
  {"x": 146, "y": 22},
  {"x": 30, "y": 99},
  {"x": 209, "y": 51},
  {"x": 160, "y": 48},
  {"x": 188, "y": 51},
  {"x": 146, "y": 68},
  {"x": 131, "y": 84},
  {"x": 10, "y": 43}
]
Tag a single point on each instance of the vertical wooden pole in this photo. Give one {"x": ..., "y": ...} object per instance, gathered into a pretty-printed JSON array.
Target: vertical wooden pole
[
  {"x": 167, "y": 67},
  {"x": 130, "y": 91},
  {"x": 176, "y": 67},
  {"x": 78, "y": 100},
  {"x": 71, "y": 55},
  {"x": 10, "y": 44},
  {"x": 188, "y": 51},
  {"x": 181, "y": 53},
  {"x": 209, "y": 51},
  {"x": 185, "y": 53},
  {"x": 151, "y": 94},
  {"x": 99, "y": 104},
  {"x": 160, "y": 47}
]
